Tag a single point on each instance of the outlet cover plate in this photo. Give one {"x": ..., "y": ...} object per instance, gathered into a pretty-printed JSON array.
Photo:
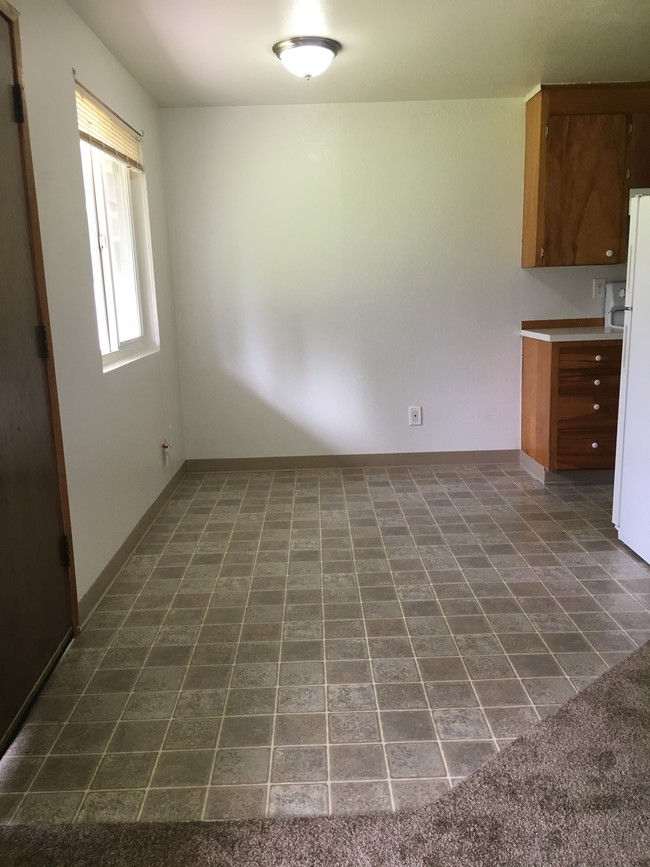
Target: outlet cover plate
[
  {"x": 415, "y": 415},
  {"x": 599, "y": 287}
]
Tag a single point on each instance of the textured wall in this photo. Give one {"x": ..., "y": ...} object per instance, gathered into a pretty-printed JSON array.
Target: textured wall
[
  {"x": 334, "y": 264},
  {"x": 113, "y": 423}
]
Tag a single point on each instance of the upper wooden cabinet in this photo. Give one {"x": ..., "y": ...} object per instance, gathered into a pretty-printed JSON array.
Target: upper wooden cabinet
[{"x": 586, "y": 147}]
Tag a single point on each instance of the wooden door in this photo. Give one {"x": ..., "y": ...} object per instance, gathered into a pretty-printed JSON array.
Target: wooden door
[
  {"x": 585, "y": 179},
  {"x": 36, "y": 607}
]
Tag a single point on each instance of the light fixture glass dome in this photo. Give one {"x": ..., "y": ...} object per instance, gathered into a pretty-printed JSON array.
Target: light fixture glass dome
[{"x": 307, "y": 56}]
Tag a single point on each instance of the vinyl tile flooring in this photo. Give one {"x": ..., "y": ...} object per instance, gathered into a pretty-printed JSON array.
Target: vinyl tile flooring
[{"x": 327, "y": 641}]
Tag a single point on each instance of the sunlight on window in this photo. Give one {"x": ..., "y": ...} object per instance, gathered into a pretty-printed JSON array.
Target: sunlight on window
[{"x": 118, "y": 228}]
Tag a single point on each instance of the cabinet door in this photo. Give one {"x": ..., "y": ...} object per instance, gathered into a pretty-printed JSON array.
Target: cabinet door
[
  {"x": 586, "y": 450},
  {"x": 585, "y": 173},
  {"x": 638, "y": 154}
]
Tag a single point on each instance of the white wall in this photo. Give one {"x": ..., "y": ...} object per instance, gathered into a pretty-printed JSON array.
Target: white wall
[
  {"x": 113, "y": 423},
  {"x": 334, "y": 264}
]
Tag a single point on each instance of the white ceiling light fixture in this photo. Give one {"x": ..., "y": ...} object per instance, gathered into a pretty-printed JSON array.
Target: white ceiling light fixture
[{"x": 307, "y": 56}]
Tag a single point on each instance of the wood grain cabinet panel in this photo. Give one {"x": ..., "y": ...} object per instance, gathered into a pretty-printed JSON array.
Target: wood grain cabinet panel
[
  {"x": 586, "y": 147},
  {"x": 578, "y": 382},
  {"x": 587, "y": 411},
  {"x": 638, "y": 156},
  {"x": 570, "y": 403},
  {"x": 586, "y": 450},
  {"x": 590, "y": 356},
  {"x": 584, "y": 188}
]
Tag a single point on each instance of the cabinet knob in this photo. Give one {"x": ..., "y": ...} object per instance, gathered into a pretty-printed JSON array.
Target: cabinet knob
[
  {"x": 594, "y": 445},
  {"x": 609, "y": 253},
  {"x": 599, "y": 358},
  {"x": 596, "y": 382},
  {"x": 596, "y": 406}
]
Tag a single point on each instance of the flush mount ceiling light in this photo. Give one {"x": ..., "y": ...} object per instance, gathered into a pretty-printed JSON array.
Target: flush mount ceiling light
[{"x": 306, "y": 56}]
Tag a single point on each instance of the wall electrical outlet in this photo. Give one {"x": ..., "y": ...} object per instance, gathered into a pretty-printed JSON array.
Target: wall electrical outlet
[
  {"x": 415, "y": 415},
  {"x": 599, "y": 287}
]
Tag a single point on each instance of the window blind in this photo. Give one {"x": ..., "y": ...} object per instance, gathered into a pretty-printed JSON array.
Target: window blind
[{"x": 99, "y": 126}]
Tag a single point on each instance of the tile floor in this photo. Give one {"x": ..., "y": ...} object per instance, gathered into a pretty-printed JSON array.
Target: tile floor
[{"x": 301, "y": 643}]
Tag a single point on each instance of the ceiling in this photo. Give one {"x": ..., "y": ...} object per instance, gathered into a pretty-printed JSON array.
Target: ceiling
[{"x": 218, "y": 52}]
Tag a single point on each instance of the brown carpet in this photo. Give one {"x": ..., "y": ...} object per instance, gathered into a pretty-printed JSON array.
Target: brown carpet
[{"x": 574, "y": 791}]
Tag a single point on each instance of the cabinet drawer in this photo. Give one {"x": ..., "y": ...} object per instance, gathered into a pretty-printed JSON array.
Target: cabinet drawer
[
  {"x": 575, "y": 450},
  {"x": 591, "y": 356},
  {"x": 588, "y": 382},
  {"x": 585, "y": 411}
]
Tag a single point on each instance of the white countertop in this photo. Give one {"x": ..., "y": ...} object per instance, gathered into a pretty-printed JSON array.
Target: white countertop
[{"x": 553, "y": 335}]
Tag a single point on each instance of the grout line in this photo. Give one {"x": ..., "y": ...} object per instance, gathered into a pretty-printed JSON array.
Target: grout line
[
  {"x": 365, "y": 629},
  {"x": 241, "y": 628},
  {"x": 153, "y": 644},
  {"x": 272, "y": 745},
  {"x": 415, "y": 655},
  {"x": 325, "y": 675}
]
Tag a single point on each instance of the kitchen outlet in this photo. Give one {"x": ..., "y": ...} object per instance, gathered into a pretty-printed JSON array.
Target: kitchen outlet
[
  {"x": 599, "y": 287},
  {"x": 415, "y": 415}
]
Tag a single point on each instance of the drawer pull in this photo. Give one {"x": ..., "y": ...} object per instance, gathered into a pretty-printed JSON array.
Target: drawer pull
[
  {"x": 596, "y": 382},
  {"x": 594, "y": 445},
  {"x": 596, "y": 406},
  {"x": 599, "y": 358},
  {"x": 609, "y": 253}
]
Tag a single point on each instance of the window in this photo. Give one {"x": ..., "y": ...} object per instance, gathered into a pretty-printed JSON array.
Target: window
[{"x": 118, "y": 226}]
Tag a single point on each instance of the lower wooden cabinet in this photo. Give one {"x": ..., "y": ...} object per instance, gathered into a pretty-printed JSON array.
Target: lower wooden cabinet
[
  {"x": 570, "y": 403},
  {"x": 586, "y": 449}
]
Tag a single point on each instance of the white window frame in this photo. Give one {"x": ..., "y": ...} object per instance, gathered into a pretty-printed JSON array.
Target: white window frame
[{"x": 120, "y": 247}]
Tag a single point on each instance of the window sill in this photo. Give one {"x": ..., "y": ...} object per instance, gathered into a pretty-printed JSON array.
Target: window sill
[{"x": 128, "y": 355}]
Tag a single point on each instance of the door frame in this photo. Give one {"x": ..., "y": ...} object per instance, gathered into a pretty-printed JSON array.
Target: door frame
[{"x": 11, "y": 15}]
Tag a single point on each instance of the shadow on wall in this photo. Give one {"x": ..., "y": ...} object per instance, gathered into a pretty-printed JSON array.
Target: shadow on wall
[
  {"x": 240, "y": 419},
  {"x": 289, "y": 376}
]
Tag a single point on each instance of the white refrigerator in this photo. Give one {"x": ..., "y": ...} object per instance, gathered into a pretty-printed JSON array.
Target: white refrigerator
[{"x": 631, "y": 513}]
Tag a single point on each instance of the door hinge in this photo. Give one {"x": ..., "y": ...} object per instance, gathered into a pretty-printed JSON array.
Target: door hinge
[
  {"x": 19, "y": 105},
  {"x": 630, "y": 127},
  {"x": 65, "y": 552},
  {"x": 541, "y": 252},
  {"x": 43, "y": 341},
  {"x": 546, "y": 131}
]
